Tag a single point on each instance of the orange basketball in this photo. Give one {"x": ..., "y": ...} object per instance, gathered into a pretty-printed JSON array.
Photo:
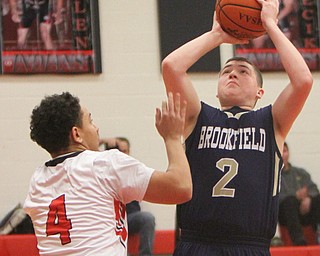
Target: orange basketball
[{"x": 240, "y": 18}]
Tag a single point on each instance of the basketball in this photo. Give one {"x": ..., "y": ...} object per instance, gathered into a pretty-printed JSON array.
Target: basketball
[{"x": 240, "y": 18}]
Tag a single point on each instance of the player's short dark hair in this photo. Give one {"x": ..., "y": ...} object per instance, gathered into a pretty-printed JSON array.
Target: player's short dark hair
[
  {"x": 256, "y": 70},
  {"x": 52, "y": 121}
]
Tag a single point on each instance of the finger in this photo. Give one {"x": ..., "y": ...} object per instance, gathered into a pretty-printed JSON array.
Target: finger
[
  {"x": 183, "y": 110},
  {"x": 177, "y": 102},
  {"x": 164, "y": 107},
  {"x": 170, "y": 103},
  {"x": 158, "y": 116}
]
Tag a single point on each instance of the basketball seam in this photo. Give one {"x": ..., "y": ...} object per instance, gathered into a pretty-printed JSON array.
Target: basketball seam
[
  {"x": 239, "y": 5},
  {"x": 237, "y": 23}
]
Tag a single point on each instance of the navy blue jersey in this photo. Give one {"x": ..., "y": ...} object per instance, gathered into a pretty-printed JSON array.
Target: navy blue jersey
[{"x": 235, "y": 165}]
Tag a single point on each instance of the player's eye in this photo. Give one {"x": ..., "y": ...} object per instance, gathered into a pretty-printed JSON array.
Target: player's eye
[
  {"x": 226, "y": 71},
  {"x": 244, "y": 71}
]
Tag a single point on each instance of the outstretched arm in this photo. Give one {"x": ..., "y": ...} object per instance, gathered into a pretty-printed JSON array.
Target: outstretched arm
[
  {"x": 288, "y": 8},
  {"x": 291, "y": 100},
  {"x": 177, "y": 63},
  {"x": 59, "y": 9},
  {"x": 15, "y": 15},
  {"x": 175, "y": 185}
]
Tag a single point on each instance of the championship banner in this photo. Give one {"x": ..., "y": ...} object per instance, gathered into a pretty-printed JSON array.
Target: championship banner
[
  {"x": 301, "y": 26},
  {"x": 50, "y": 36}
]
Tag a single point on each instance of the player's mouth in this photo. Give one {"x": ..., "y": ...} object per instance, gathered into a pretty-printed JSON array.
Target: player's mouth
[{"x": 232, "y": 83}]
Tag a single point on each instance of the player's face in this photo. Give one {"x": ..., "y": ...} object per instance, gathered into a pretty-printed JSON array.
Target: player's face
[
  {"x": 238, "y": 85},
  {"x": 89, "y": 131}
]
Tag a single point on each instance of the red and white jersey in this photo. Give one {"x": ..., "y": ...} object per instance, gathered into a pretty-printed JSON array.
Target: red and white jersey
[{"x": 77, "y": 202}]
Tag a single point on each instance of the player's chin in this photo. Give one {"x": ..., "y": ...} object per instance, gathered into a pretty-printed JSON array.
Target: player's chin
[{"x": 232, "y": 95}]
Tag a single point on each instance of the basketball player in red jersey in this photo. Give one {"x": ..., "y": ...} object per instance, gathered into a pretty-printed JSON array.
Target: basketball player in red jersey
[{"x": 77, "y": 199}]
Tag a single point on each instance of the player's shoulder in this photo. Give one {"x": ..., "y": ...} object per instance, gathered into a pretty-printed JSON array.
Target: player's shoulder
[
  {"x": 209, "y": 109},
  {"x": 265, "y": 111},
  {"x": 205, "y": 105},
  {"x": 111, "y": 157},
  {"x": 265, "y": 108}
]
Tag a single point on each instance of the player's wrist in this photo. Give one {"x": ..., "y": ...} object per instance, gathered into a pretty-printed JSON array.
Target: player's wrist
[{"x": 173, "y": 140}]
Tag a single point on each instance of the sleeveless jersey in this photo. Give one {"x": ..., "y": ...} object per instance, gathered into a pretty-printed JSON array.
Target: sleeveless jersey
[
  {"x": 77, "y": 202},
  {"x": 235, "y": 165}
]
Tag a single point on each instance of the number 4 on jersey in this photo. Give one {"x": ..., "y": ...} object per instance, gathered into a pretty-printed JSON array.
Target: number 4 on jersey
[{"x": 57, "y": 222}]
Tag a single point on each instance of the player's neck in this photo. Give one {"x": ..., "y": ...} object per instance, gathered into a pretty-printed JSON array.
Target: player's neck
[
  {"x": 226, "y": 108},
  {"x": 231, "y": 105},
  {"x": 69, "y": 150}
]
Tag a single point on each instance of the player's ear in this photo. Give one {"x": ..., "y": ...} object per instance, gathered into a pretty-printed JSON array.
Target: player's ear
[
  {"x": 75, "y": 135},
  {"x": 260, "y": 93}
]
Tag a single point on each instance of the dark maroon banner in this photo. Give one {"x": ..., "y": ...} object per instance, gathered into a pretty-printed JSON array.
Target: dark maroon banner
[
  {"x": 301, "y": 26},
  {"x": 50, "y": 36}
]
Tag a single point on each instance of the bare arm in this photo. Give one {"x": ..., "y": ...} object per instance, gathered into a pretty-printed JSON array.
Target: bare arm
[
  {"x": 288, "y": 8},
  {"x": 291, "y": 100},
  {"x": 176, "y": 64},
  {"x": 175, "y": 185},
  {"x": 15, "y": 15},
  {"x": 58, "y": 14},
  {"x": 59, "y": 5},
  {"x": 13, "y": 5}
]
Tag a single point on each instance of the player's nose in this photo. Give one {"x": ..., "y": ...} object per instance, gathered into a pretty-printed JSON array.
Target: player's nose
[{"x": 232, "y": 74}]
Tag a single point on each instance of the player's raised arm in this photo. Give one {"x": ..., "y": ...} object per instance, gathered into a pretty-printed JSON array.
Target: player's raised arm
[
  {"x": 291, "y": 100},
  {"x": 177, "y": 63},
  {"x": 174, "y": 185}
]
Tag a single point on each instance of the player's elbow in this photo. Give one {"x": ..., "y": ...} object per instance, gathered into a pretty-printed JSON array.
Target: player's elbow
[
  {"x": 167, "y": 65},
  {"x": 171, "y": 187},
  {"x": 170, "y": 66},
  {"x": 185, "y": 194},
  {"x": 302, "y": 84},
  {"x": 305, "y": 84},
  {"x": 183, "y": 190},
  {"x": 308, "y": 81},
  {"x": 179, "y": 185}
]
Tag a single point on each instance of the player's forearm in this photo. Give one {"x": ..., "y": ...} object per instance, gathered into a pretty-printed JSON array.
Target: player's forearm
[
  {"x": 291, "y": 59},
  {"x": 287, "y": 9},
  {"x": 185, "y": 56},
  {"x": 59, "y": 5},
  {"x": 178, "y": 168},
  {"x": 13, "y": 6}
]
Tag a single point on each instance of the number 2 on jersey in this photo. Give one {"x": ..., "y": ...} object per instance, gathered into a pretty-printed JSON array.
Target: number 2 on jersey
[
  {"x": 231, "y": 166},
  {"x": 57, "y": 222}
]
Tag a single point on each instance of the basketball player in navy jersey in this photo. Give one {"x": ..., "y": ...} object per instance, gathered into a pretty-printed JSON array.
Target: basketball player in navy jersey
[{"x": 234, "y": 151}]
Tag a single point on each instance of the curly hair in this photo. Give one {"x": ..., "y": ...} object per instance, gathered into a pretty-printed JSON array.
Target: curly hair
[{"x": 52, "y": 121}]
